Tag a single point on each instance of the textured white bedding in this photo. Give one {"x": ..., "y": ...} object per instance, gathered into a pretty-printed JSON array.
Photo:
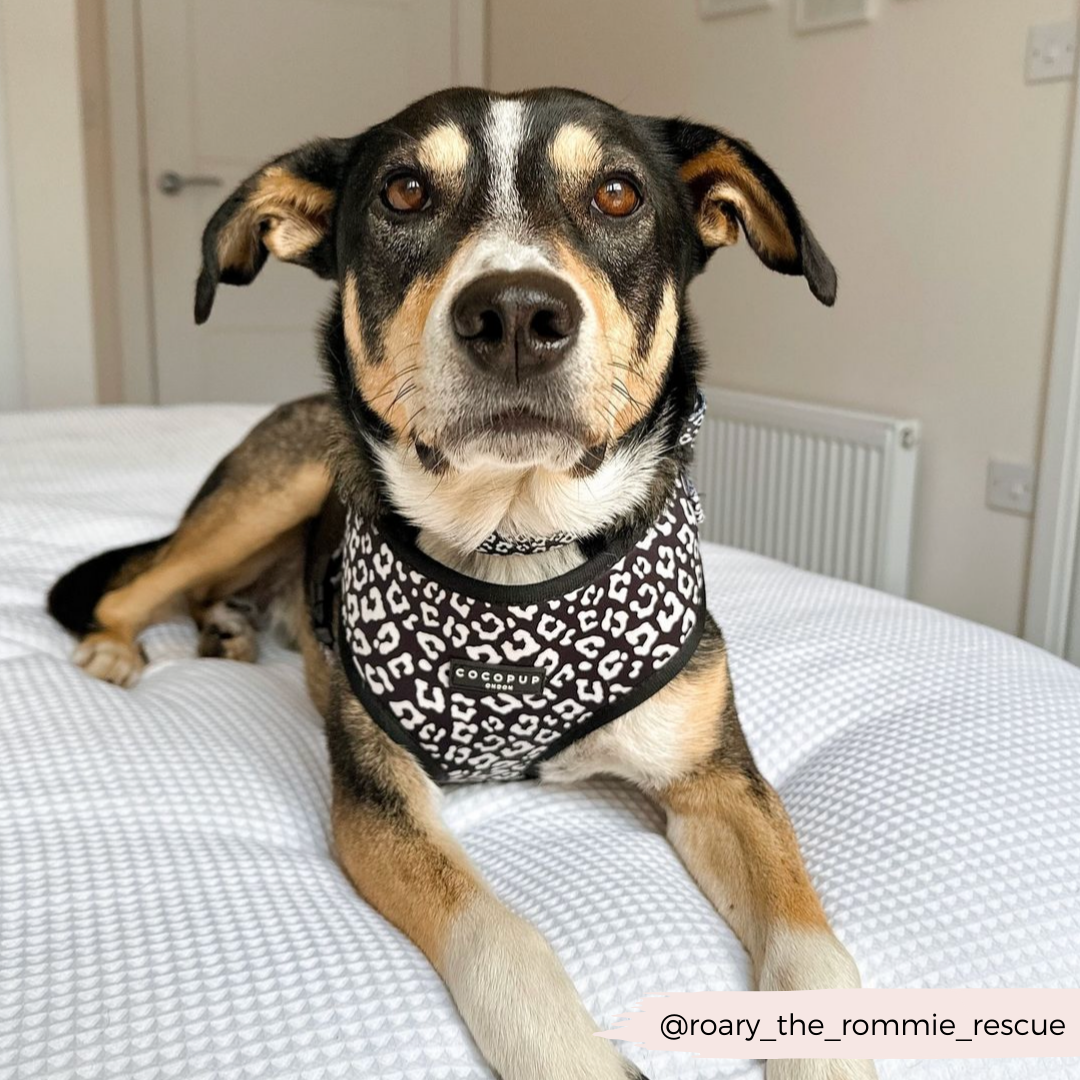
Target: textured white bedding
[{"x": 169, "y": 906}]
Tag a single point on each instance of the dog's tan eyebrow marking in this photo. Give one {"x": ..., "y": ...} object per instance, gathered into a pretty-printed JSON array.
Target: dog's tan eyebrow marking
[
  {"x": 444, "y": 152},
  {"x": 576, "y": 152}
]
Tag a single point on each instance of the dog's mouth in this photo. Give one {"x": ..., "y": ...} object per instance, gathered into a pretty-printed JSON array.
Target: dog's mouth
[
  {"x": 517, "y": 435},
  {"x": 515, "y": 430},
  {"x": 523, "y": 423}
]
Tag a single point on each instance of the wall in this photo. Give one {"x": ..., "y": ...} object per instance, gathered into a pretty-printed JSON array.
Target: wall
[
  {"x": 39, "y": 68},
  {"x": 933, "y": 177},
  {"x": 11, "y": 372}
]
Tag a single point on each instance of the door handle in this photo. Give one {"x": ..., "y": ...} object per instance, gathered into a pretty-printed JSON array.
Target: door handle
[{"x": 172, "y": 183}]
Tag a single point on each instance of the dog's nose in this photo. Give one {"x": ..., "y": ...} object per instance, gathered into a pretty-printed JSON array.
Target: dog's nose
[{"x": 517, "y": 325}]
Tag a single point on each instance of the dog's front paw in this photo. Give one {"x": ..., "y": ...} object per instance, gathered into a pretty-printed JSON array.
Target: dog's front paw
[
  {"x": 820, "y": 1069},
  {"x": 111, "y": 659}
]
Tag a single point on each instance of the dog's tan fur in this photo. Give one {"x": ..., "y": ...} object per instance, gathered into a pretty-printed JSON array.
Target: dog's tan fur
[
  {"x": 294, "y": 210},
  {"x": 634, "y": 364},
  {"x": 729, "y": 184},
  {"x": 405, "y": 865},
  {"x": 388, "y": 379},
  {"x": 576, "y": 153},
  {"x": 224, "y": 542},
  {"x": 643, "y": 377},
  {"x": 444, "y": 152}
]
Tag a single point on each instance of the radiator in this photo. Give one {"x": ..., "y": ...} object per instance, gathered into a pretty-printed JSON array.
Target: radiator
[{"x": 826, "y": 489}]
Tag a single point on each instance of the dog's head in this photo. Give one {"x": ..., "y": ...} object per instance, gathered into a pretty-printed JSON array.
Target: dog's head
[{"x": 511, "y": 269}]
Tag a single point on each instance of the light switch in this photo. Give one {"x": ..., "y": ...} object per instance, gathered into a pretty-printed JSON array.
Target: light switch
[
  {"x": 1010, "y": 487},
  {"x": 1051, "y": 52}
]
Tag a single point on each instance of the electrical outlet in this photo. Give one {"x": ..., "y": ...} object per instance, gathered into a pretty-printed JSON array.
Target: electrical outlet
[
  {"x": 1010, "y": 487},
  {"x": 1051, "y": 52}
]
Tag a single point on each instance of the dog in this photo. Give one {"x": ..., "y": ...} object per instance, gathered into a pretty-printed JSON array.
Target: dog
[{"x": 514, "y": 387}]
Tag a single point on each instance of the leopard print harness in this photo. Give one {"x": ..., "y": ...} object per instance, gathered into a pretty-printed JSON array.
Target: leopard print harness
[{"x": 485, "y": 682}]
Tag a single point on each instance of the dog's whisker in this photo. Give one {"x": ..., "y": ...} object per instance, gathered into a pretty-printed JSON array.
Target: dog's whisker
[
  {"x": 620, "y": 386},
  {"x": 400, "y": 353},
  {"x": 403, "y": 393},
  {"x": 394, "y": 386}
]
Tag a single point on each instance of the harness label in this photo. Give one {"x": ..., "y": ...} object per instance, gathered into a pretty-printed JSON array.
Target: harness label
[{"x": 495, "y": 678}]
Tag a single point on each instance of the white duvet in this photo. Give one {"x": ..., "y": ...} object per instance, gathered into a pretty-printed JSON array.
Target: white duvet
[{"x": 169, "y": 906}]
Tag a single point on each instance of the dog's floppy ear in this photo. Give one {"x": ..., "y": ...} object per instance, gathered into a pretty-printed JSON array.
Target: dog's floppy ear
[
  {"x": 732, "y": 186},
  {"x": 285, "y": 209}
]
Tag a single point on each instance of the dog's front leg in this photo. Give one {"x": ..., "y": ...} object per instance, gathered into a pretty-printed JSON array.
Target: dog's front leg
[
  {"x": 517, "y": 1001},
  {"x": 685, "y": 748},
  {"x": 732, "y": 832}
]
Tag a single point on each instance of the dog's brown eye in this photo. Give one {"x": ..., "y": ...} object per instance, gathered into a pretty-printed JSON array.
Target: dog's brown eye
[
  {"x": 616, "y": 197},
  {"x": 406, "y": 193}
]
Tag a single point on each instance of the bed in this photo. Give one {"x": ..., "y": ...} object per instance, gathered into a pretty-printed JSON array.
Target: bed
[{"x": 170, "y": 907}]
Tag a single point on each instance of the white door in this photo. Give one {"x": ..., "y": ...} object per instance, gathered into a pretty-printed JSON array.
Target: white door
[{"x": 228, "y": 84}]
